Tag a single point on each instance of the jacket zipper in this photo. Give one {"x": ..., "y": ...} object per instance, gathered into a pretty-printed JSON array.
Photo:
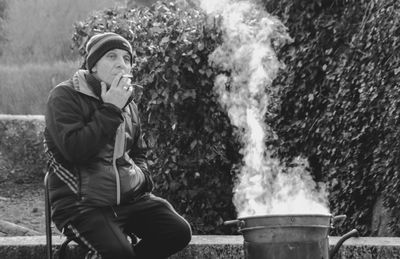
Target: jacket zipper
[
  {"x": 115, "y": 213},
  {"x": 78, "y": 175},
  {"x": 117, "y": 145}
]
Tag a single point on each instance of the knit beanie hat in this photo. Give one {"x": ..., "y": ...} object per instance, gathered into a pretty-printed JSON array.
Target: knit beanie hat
[{"x": 100, "y": 44}]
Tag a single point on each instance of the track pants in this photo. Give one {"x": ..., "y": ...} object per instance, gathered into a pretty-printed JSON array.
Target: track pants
[{"x": 162, "y": 232}]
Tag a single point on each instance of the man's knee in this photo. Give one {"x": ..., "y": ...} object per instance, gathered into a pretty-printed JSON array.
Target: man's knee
[{"x": 183, "y": 235}]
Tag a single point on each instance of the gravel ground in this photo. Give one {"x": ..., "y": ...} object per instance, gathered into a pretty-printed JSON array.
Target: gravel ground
[{"x": 23, "y": 204}]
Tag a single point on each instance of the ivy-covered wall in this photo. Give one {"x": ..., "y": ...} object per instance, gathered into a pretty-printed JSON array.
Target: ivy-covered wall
[{"x": 340, "y": 100}]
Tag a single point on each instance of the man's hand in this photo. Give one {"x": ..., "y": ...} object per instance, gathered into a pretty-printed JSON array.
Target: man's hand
[{"x": 119, "y": 92}]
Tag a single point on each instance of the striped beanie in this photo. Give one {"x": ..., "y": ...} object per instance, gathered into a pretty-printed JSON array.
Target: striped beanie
[{"x": 100, "y": 44}]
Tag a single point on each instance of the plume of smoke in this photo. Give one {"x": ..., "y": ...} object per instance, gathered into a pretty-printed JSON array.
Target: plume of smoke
[{"x": 248, "y": 52}]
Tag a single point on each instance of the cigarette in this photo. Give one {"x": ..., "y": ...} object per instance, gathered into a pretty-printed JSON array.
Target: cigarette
[
  {"x": 127, "y": 76},
  {"x": 137, "y": 86}
]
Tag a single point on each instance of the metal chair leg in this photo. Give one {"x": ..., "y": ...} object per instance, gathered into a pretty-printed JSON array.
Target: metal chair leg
[{"x": 48, "y": 218}]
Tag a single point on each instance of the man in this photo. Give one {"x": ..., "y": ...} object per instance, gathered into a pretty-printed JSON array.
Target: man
[{"x": 99, "y": 183}]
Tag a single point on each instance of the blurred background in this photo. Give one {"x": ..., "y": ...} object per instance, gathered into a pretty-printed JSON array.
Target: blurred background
[{"x": 35, "y": 47}]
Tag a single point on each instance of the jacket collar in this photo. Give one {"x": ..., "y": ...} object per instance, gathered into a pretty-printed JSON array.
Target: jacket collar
[{"x": 84, "y": 82}]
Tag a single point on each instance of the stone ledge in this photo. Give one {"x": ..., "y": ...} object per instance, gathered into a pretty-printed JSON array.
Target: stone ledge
[
  {"x": 208, "y": 247},
  {"x": 22, "y": 117},
  {"x": 34, "y": 247}
]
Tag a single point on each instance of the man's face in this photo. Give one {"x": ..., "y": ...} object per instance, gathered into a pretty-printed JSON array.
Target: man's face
[{"x": 112, "y": 63}]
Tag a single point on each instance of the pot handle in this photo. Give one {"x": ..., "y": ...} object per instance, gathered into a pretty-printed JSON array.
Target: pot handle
[
  {"x": 239, "y": 223},
  {"x": 338, "y": 219},
  {"x": 352, "y": 233},
  {"x": 231, "y": 222}
]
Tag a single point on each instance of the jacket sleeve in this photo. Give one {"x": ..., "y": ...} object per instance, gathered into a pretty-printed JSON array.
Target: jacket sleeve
[
  {"x": 78, "y": 138},
  {"x": 138, "y": 153}
]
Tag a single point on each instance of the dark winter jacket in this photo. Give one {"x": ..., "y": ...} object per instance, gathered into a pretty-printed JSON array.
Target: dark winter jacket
[{"x": 96, "y": 153}]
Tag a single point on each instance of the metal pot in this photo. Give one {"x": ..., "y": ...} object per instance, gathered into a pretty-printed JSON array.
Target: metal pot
[{"x": 297, "y": 236}]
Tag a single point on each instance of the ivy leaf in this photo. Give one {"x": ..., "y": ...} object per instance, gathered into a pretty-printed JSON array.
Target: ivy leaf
[
  {"x": 193, "y": 144},
  {"x": 175, "y": 68},
  {"x": 200, "y": 46},
  {"x": 164, "y": 40}
]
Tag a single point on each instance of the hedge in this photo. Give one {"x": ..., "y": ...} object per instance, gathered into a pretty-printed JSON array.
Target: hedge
[
  {"x": 22, "y": 157},
  {"x": 340, "y": 100},
  {"x": 337, "y": 103}
]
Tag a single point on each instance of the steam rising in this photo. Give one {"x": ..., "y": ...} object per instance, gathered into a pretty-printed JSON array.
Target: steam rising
[{"x": 264, "y": 185}]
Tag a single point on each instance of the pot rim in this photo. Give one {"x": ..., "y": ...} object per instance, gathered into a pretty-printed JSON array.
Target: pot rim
[{"x": 285, "y": 215}]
